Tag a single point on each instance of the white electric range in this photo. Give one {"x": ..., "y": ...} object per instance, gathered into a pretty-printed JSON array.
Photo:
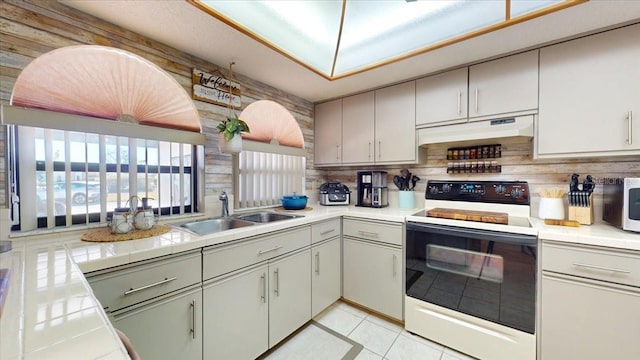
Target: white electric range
[{"x": 471, "y": 284}]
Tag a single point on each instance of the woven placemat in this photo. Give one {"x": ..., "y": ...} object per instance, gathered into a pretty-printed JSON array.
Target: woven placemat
[
  {"x": 105, "y": 235},
  {"x": 280, "y": 208}
]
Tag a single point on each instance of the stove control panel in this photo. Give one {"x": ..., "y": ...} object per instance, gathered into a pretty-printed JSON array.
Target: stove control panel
[{"x": 501, "y": 192}]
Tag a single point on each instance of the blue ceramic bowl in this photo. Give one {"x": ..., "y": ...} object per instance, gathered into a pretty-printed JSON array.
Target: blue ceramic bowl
[{"x": 294, "y": 202}]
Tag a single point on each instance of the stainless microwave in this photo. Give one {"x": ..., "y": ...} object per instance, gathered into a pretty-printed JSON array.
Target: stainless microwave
[{"x": 622, "y": 203}]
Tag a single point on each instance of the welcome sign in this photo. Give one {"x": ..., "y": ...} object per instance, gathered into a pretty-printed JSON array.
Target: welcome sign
[{"x": 215, "y": 89}]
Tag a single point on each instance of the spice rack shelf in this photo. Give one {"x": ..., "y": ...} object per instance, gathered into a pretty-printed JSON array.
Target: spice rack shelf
[{"x": 474, "y": 159}]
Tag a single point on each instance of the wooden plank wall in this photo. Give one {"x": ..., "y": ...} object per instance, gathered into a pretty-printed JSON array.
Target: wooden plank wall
[
  {"x": 517, "y": 164},
  {"x": 30, "y": 28}
]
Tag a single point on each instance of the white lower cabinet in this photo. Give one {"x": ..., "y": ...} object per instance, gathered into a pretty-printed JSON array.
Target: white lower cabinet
[
  {"x": 373, "y": 276},
  {"x": 590, "y": 303},
  {"x": 289, "y": 295},
  {"x": 251, "y": 310},
  {"x": 326, "y": 274},
  {"x": 169, "y": 328},
  {"x": 236, "y": 315},
  {"x": 584, "y": 319},
  {"x": 157, "y": 303}
]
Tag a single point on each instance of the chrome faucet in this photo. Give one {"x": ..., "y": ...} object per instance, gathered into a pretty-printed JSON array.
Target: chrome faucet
[{"x": 225, "y": 204}]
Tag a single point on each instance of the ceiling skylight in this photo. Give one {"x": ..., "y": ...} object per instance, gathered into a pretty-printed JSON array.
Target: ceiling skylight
[{"x": 337, "y": 38}]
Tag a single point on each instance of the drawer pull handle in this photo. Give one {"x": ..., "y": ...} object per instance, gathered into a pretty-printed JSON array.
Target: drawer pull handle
[
  {"x": 368, "y": 234},
  {"x": 270, "y": 250},
  {"x": 166, "y": 280},
  {"x": 327, "y": 232},
  {"x": 601, "y": 268},
  {"x": 193, "y": 318}
]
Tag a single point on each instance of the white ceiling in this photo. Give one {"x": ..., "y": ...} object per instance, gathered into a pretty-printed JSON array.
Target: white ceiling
[{"x": 181, "y": 25}]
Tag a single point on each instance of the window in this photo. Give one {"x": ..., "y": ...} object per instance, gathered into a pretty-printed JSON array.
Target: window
[
  {"x": 72, "y": 177},
  {"x": 262, "y": 178}
]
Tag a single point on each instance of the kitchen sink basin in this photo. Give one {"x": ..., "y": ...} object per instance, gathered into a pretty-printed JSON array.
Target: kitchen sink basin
[
  {"x": 266, "y": 217},
  {"x": 211, "y": 226}
]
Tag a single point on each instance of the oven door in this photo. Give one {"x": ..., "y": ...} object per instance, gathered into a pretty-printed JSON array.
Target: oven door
[{"x": 486, "y": 274}]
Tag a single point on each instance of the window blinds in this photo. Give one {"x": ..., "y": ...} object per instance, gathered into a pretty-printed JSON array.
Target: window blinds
[
  {"x": 263, "y": 178},
  {"x": 79, "y": 178}
]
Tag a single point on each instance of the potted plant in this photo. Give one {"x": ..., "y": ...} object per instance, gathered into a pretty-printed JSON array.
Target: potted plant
[{"x": 228, "y": 129}]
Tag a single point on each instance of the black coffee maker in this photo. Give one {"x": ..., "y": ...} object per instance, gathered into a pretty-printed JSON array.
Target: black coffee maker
[{"x": 372, "y": 189}]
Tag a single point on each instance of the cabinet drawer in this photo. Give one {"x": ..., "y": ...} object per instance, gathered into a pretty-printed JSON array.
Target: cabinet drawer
[
  {"x": 600, "y": 264},
  {"x": 378, "y": 231},
  {"x": 132, "y": 284},
  {"x": 222, "y": 259},
  {"x": 325, "y": 230}
]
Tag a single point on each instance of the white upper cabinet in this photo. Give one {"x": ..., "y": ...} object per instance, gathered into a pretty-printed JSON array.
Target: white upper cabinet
[
  {"x": 395, "y": 125},
  {"x": 442, "y": 98},
  {"x": 506, "y": 86},
  {"x": 589, "y": 96},
  {"x": 358, "y": 128},
  {"x": 327, "y": 134},
  {"x": 376, "y": 127}
]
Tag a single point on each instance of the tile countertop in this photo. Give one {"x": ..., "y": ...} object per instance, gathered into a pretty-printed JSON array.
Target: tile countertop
[
  {"x": 50, "y": 311},
  {"x": 598, "y": 234}
]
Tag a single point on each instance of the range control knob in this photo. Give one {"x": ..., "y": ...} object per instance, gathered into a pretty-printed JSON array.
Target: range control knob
[
  {"x": 516, "y": 193},
  {"x": 446, "y": 188},
  {"x": 500, "y": 189},
  {"x": 433, "y": 190}
]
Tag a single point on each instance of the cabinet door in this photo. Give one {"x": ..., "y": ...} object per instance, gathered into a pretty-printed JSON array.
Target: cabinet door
[
  {"x": 395, "y": 125},
  {"x": 326, "y": 275},
  {"x": 327, "y": 134},
  {"x": 373, "y": 276},
  {"x": 442, "y": 98},
  {"x": 504, "y": 86},
  {"x": 590, "y": 94},
  {"x": 167, "y": 329},
  {"x": 289, "y": 295},
  {"x": 236, "y": 316},
  {"x": 358, "y": 128},
  {"x": 586, "y": 320}
]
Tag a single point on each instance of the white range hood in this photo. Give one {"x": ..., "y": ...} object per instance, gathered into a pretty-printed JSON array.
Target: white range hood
[{"x": 485, "y": 130}]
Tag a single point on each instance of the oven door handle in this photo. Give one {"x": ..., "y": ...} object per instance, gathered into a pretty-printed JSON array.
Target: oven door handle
[{"x": 505, "y": 237}]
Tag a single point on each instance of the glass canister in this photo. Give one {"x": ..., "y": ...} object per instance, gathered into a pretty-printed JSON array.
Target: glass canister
[
  {"x": 121, "y": 221},
  {"x": 144, "y": 219}
]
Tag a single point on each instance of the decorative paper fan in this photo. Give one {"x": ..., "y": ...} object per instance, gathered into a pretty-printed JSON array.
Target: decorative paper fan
[
  {"x": 269, "y": 120},
  {"x": 107, "y": 83}
]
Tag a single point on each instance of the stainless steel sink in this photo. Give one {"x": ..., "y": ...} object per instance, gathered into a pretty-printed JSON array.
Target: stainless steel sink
[
  {"x": 211, "y": 226},
  {"x": 266, "y": 217}
]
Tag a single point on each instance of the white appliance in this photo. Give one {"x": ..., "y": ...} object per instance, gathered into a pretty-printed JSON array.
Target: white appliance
[
  {"x": 622, "y": 203},
  {"x": 484, "y": 130},
  {"x": 471, "y": 285}
]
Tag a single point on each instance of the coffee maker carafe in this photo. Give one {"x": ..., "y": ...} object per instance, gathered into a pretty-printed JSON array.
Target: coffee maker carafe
[{"x": 372, "y": 189}]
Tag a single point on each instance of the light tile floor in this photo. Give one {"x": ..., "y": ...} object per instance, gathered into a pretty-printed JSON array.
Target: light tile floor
[{"x": 382, "y": 339}]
